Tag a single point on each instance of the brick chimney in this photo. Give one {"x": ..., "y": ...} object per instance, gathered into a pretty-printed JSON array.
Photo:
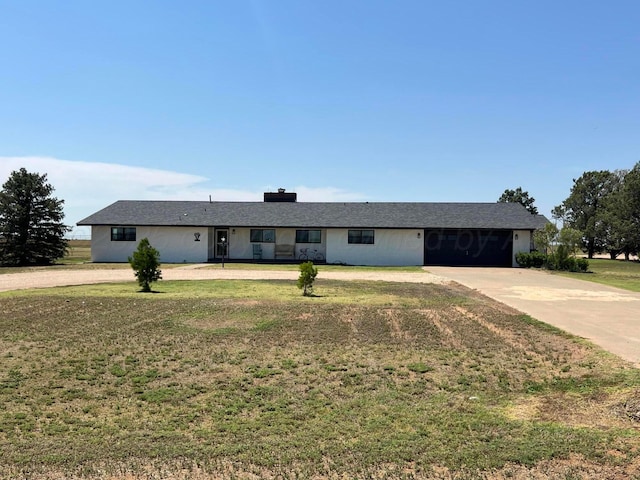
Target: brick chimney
[{"x": 280, "y": 196}]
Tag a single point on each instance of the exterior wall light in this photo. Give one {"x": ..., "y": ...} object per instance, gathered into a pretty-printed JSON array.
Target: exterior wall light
[{"x": 197, "y": 237}]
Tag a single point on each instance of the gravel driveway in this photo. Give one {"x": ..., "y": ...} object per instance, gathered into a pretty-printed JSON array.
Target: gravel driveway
[{"x": 44, "y": 278}]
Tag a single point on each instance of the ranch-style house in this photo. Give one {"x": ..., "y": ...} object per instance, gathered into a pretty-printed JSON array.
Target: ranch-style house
[{"x": 281, "y": 229}]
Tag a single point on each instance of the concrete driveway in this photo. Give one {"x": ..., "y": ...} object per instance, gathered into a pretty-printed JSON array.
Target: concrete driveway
[{"x": 607, "y": 316}]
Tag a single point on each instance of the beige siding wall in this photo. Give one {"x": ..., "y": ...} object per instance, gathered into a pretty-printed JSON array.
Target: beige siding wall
[
  {"x": 175, "y": 244},
  {"x": 390, "y": 248},
  {"x": 520, "y": 244}
]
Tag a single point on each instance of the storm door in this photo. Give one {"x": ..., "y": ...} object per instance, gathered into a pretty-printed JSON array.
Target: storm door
[{"x": 222, "y": 243}]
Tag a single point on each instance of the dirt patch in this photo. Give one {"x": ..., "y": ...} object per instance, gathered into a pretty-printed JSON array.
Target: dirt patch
[
  {"x": 574, "y": 467},
  {"x": 507, "y": 336},
  {"x": 440, "y": 323}
]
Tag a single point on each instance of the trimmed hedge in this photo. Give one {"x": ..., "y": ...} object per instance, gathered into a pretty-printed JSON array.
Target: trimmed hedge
[
  {"x": 531, "y": 260},
  {"x": 556, "y": 261}
]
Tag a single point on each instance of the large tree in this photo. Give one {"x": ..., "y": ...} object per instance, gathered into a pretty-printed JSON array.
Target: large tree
[
  {"x": 624, "y": 213},
  {"x": 521, "y": 197},
  {"x": 31, "y": 228},
  {"x": 586, "y": 208},
  {"x": 615, "y": 219}
]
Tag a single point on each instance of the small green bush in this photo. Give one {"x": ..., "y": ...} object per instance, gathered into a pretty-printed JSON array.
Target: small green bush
[
  {"x": 582, "y": 264},
  {"x": 307, "y": 276}
]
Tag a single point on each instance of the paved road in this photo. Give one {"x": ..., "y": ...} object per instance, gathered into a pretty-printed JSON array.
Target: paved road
[{"x": 607, "y": 316}]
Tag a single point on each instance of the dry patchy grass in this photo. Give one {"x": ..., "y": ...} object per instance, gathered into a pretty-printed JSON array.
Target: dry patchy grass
[{"x": 246, "y": 379}]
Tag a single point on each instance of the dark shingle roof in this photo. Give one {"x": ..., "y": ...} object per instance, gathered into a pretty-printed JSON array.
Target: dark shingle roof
[{"x": 317, "y": 215}]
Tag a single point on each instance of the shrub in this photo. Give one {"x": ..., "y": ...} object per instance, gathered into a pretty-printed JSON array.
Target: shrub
[
  {"x": 307, "y": 276},
  {"x": 145, "y": 262},
  {"x": 531, "y": 259},
  {"x": 582, "y": 265},
  {"x": 558, "y": 260}
]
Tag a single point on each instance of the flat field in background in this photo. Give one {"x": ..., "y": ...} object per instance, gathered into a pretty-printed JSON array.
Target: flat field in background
[{"x": 248, "y": 379}]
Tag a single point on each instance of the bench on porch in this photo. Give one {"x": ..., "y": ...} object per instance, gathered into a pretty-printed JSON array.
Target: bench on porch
[{"x": 284, "y": 250}]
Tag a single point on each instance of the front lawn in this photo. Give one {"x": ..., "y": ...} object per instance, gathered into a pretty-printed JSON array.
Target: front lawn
[{"x": 248, "y": 379}]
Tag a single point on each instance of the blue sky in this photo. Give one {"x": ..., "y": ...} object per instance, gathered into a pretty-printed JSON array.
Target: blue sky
[{"x": 337, "y": 100}]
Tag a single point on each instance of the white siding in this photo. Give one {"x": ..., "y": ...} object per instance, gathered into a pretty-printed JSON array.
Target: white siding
[
  {"x": 521, "y": 243},
  {"x": 390, "y": 248},
  {"x": 175, "y": 244}
]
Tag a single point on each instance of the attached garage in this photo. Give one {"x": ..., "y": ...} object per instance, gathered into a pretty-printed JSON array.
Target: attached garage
[{"x": 470, "y": 248}]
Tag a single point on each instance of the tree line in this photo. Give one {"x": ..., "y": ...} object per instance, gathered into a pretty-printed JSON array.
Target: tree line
[
  {"x": 605, "y": 206},
  {"x": 600, "y": 215}
]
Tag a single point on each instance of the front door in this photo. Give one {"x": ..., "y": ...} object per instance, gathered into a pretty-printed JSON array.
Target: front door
[{"x": 222, "y": 243}]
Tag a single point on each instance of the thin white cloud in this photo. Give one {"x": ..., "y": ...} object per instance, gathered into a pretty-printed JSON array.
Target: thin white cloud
[
  {"x": 327, "y": 194},
  {"x": 87, "y": 187}
]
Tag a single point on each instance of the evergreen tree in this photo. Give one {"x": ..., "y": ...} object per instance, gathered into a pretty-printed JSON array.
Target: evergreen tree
[
  {"x": 31, "y": 228},
  {"x": 145, "y": 262}
]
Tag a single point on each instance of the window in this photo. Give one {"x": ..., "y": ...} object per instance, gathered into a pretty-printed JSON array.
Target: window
[
  {"x": 123, "y": 234},
  {"x": 308, "y": 236},
  {"x": 263, "y": 235},
  {"x": 361, "y": 236}
]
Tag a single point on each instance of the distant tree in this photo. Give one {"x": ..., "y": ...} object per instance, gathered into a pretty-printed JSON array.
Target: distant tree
[
  {"x": 616, "y": 219},
  {"x": 586, "y": 208},
  {"x": 31, "y": 228},
  {"x": 571, "y": 239},
  {"x": 521, "y": 197},
  {"x": 145, "y": 262},
  {"x": 623, "y": 211},
  {"x": 307, "y": 276},
  {"x": 545, "y": 239}
]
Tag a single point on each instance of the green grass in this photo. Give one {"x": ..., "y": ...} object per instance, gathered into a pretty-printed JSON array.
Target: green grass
[
  {"x": 367, "y": 379},
  {"x": 615, "y": 273}
]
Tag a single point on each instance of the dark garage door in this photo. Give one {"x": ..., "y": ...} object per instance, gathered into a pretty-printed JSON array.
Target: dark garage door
[{"x": 474, "y": 248}]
